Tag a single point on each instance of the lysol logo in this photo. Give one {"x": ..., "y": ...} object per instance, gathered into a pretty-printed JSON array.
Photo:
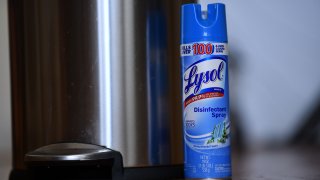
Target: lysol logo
[
  {"x": 204, "y": 80},
  {"x": 193, "y": 78}
]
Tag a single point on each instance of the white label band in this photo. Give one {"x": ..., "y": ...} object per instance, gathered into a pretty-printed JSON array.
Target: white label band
[{"x": 203, "y": 48}]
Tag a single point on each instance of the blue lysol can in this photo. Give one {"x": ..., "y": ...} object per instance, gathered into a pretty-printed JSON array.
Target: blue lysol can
[{"x": 206, "y": 119}]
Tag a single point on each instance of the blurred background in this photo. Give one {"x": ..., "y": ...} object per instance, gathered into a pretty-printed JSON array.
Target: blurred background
[{"x": 274, "y": 67}]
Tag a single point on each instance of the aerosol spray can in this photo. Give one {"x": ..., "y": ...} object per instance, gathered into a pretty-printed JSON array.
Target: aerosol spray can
[{"x": 205, "y": 89}]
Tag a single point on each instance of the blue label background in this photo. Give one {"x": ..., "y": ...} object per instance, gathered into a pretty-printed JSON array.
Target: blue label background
[{"x": 206, "y": 123}]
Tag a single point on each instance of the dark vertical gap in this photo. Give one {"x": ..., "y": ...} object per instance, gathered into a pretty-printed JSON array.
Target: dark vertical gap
[
  {"x": 16, "y": 39},
  {"x": 140, "y": 17}
]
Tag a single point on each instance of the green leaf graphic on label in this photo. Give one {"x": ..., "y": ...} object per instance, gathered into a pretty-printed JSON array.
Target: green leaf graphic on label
[{"x": 219, "y": 132}]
